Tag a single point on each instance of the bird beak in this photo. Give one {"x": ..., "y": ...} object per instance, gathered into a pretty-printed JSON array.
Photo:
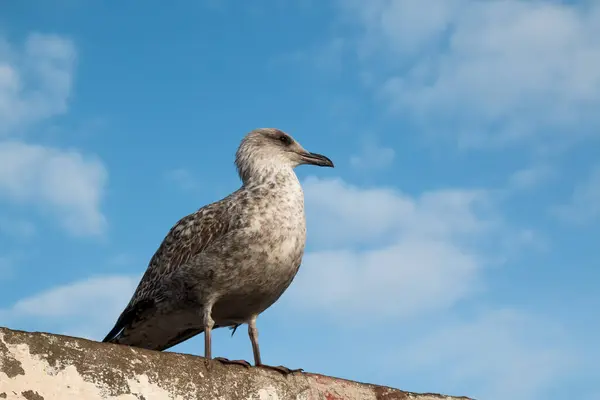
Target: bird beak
[{"x": 316, "y": 159}]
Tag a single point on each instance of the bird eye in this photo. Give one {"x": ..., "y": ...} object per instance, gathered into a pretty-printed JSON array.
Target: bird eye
[{"x": 286, "y": 140}]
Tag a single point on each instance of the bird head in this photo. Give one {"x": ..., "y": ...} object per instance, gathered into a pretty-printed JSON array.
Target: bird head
[{"x": 269, "y": 149}]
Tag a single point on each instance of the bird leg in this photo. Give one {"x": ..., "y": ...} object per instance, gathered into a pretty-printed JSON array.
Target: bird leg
[
  {"x": 208, "y": 325},
  {"x": 253, "y": 333}
]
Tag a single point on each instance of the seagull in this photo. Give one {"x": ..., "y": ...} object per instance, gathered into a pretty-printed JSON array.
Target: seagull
[{"x": 226, "y": 263}]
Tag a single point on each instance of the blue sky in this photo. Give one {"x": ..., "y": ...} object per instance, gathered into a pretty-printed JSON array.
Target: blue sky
[{"x": 453, "y": 247}]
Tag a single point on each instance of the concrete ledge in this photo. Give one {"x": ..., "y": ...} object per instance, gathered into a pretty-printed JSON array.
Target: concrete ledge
[{"x": 42, "y": 366}]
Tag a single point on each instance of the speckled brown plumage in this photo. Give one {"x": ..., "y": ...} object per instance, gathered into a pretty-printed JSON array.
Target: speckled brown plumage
[{"x": 229, "y": 261}]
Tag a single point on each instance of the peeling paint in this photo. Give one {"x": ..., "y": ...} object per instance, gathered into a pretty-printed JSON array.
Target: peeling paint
[
  {"x": 39, "y": 366},
  {"x": 268, "y": 393}
]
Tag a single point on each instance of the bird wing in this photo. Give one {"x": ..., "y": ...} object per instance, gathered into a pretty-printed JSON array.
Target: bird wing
[{"x": 186, "y": 239}]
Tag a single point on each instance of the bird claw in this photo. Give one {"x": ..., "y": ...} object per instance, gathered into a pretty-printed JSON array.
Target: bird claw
[
  {"x": 281, "y": 369},
  {"x": 223, "y": 360}
]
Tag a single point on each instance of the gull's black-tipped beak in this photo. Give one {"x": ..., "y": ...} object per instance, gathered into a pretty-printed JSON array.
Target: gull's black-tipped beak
[{"x": 316, "y": 159}]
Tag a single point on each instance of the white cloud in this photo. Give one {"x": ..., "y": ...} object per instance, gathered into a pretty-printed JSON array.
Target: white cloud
[
  {"x": 496, "y": 72},
  {"x": 84, "y": 308},
  {"x": 530, "y": 177},
  {"x": 585, "y": 201},
  {"x": 35, "y": 84},
  {"x": 349, "y": 215},
  {"x": 497, "y": 355},
  {"x": 402, "y": 26},
  {"x": 388, "y": 253},
  {"x": 373, "y": 157},
  {"x": 407, "y": 278},
  {"x": 65, "y": 182}
]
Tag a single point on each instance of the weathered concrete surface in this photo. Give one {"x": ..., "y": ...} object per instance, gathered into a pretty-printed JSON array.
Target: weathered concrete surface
[{"x": 41, "y": 366}]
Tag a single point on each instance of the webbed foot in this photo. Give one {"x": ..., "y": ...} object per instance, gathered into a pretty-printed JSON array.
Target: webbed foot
[
  {"x": 223, "y": 360},
  {"x": 281, "y": 369}
]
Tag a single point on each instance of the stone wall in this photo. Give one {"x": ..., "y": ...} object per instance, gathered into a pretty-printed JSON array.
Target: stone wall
[{"x": 41, "y": 366}]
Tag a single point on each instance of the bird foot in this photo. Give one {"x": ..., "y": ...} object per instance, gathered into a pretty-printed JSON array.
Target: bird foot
[
  {"x": 281, "y": 369},
  {"x": 223, "y": 360}
]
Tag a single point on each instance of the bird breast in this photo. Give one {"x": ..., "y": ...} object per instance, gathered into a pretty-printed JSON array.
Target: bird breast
[
  {"x": 279, "y": 228},
  {"x": 281, "y": 233}
]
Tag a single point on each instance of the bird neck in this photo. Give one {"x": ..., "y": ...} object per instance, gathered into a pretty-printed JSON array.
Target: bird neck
[{"x": 273, "y": 175}]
